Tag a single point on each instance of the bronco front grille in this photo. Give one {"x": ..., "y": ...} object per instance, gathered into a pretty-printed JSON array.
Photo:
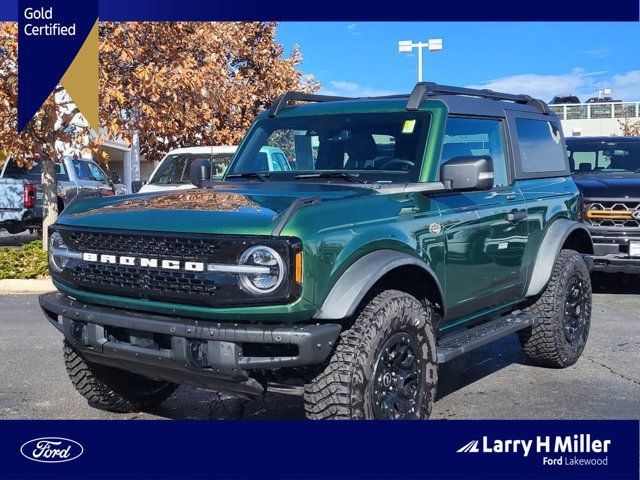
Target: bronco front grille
[
  {"x": 215, "y": 289},
  {"x": 130, "y": 278},
  {"x": 153, "y": 245},
  {"x": 613, "y": 214}
]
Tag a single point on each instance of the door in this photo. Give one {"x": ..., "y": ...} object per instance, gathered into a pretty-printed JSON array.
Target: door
[
  {"x": 103, "y": 188},
  {"x": 485, "y": 231},
  {"x": 542, "y": 170},
  {"x": 87, "y": 185}
]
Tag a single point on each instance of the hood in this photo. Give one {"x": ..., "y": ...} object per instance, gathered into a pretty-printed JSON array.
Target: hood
[
  {"x": 240, "y": 208},
  {"x": 609, "y": 185}
]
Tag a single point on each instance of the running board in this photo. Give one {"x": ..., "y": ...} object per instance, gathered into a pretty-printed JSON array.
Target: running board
[{"x": 455, "y": 344}]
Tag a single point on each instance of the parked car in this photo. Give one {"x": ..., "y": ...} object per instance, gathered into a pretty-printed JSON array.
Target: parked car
[
  {"x": 334, "y": 280},
  {"x": 172, "y": 173},
  {"x": 175, "y": 168},
  {"x": 607, "y": 172},
  {"x": 564, "y": 100},
  {"x": 21, "y": 192}
]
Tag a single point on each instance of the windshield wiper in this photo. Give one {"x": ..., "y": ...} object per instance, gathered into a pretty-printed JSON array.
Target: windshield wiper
[
  {"x": 350, "y": 177},
  {"x": 263, "y": 177}
]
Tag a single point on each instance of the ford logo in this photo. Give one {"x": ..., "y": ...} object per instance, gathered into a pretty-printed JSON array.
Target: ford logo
[{"x": 51, "y": 450}]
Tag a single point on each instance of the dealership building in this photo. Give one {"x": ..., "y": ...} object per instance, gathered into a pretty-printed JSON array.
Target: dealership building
[{"x": 596, "y": 119}]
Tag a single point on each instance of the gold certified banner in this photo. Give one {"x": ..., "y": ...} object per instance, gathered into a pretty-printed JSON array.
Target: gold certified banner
[{"x": 81, "y": 78}]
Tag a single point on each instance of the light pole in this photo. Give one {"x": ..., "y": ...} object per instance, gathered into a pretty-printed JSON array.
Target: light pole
[
  {"x": 602, "y": 93},
  {"x": 407, "y": 46}
]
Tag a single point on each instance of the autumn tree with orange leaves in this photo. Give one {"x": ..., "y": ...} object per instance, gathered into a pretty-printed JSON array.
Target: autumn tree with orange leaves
[
  {"x": 57, "y": 126},
  {"x": 162, "y": 85},
  {"x": 189, "y": 83}
]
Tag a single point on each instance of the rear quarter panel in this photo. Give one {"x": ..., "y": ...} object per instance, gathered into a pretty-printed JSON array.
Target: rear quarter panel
[{"x": 547, "y": 199}]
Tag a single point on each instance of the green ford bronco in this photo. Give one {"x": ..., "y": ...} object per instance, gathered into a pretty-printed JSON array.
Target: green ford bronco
[{"x": 408, "y": 230}]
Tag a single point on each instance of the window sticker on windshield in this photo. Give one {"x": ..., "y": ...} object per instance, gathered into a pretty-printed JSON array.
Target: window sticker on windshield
[{"x": 409, "y": 126}]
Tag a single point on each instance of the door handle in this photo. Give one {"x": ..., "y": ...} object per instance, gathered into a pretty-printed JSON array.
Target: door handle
[{"x": 516, "y": 216}]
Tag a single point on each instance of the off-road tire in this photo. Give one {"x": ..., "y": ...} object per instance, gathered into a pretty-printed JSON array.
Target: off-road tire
[
  {"x": 546, "y": 343},
  {"x": 113, "y": 389},
  {"x": 344, "y": 389}
]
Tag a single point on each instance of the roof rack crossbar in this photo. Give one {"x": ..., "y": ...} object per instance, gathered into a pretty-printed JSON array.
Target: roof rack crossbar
[
  {"x": 284, "y": 100},
  {"x": 422, "y": 90}
]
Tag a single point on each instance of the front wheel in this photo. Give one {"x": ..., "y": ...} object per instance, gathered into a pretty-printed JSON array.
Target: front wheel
[
  {"x": 564, "y": 309},
  {"x": 384, "y": 366}
]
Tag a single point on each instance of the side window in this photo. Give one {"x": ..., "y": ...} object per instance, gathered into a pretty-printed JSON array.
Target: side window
[
  {"x": 61, "y": 172},
  {"x": 470, "y": 137},
  {"x": 541, "y": 147},
  {"x": 82, "y": 171},
  {"x": 96, "y": 172}
]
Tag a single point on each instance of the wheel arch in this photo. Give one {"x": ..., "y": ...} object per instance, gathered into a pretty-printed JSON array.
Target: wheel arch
[
  {"x": 562, "y": 234},
  {"x": 381, "y": 270}
]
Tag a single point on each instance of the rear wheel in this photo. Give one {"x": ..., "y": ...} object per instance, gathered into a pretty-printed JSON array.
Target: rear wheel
[
  {"x": 564, "y": 309},
  {"x": 113, "y": 389},
  {"x": 384, "y": 366}
]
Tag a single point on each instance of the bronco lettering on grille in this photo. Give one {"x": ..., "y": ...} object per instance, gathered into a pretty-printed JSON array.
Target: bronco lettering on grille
[{"x": 143, "y": 262}]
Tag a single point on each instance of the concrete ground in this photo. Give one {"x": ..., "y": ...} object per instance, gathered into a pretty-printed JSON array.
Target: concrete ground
[{"x": 495, "y": 381}]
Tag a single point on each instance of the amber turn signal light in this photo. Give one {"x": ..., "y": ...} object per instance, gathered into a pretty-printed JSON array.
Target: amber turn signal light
[{"x": 298, "y": 268}]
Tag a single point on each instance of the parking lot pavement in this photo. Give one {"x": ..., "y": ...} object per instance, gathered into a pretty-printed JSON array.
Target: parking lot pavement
[{"x": 495, "y": 381}]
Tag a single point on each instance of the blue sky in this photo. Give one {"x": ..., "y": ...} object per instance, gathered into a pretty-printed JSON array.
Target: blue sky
[{"x": 540, "y": 59}]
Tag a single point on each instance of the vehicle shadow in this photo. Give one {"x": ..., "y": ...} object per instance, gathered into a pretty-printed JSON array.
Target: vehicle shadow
[
  {"x": 193, "y": 403},
  {"x": 189, "y": 403},
  {"x": 198, "y": 404},
  {"x": 9, "y": 240},
  {"x": 615, "y": 284},
  {"x": 478, "y": 364}
]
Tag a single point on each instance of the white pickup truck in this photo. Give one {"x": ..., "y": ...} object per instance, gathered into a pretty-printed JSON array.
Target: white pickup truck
[
  {"x": 21, "y": 193},
  {"x": 172, "y": 173}
]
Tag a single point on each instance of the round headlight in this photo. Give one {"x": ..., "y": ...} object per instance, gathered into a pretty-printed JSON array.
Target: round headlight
[
  {"x": 263, "y": 282},
  {"x": 57, "y": 263}
]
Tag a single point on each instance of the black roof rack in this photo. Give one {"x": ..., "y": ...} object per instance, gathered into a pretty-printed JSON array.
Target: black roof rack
[
  {"x": 420, "y": 93},
  {"x": 423, "y": 90},
  {"x": 284, "y": 99}
]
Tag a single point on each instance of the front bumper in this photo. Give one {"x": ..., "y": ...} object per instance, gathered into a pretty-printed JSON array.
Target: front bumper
[
  {"x": 611, "y": 251},
  {"x": 194, "y": 352}
]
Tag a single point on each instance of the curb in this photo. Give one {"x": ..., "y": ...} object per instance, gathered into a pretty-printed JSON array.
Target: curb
[{"x": 15, "y": 286}]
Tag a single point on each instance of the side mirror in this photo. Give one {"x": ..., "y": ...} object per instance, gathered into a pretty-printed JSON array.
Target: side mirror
[
  {"x": 200, "y": 171},
  {"x": 468, "y": 173},
  {"x": 115, "y": 177},
  {"x": 136, "y": 185}
]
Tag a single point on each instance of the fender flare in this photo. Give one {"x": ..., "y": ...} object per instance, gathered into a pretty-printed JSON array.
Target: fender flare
[
  {"x": 357, "y": 280},
  {"x": 549, "y": 250}
]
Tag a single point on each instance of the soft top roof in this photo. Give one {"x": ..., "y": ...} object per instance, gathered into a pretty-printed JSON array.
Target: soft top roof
[{"x": 458, "y": 100}]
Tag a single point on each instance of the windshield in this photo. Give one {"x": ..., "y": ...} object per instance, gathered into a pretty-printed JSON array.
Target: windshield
[
  {"x": 377, "y": 147},
  {"x": 604, "y": 157},
  {"x": 175, "y": 169}
]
